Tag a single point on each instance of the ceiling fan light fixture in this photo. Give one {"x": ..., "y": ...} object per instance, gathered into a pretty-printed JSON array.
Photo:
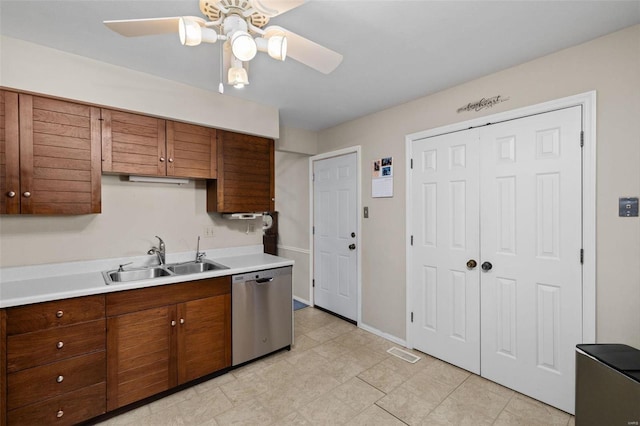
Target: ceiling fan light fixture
[
  {"x": 275, "y": 46},
  {"x": 238, "y": 77},
  {"x": 243, "y": 46},
  {"x": 190, "y": 32}
]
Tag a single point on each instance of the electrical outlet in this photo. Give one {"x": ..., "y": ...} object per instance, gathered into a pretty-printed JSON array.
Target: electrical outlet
[{"x": 208, "y": 231}]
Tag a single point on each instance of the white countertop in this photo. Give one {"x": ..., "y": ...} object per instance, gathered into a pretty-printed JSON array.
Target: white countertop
[{"x": 23, "y": 285}]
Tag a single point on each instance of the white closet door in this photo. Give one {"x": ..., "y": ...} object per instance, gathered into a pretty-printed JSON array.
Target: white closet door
[
  {"x": 446, "y": 293},
  {"x": 531, "y": 235}
]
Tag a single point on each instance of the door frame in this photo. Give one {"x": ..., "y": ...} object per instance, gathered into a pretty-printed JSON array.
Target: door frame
[
  {"x": 357, "y": 150},
  {"x": 588, "y": 102}
]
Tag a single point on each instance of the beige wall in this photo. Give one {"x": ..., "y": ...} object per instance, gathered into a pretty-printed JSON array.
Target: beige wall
[
  {"x": 292, "y": 204},
  {"x": 132, "y": 213},
  {"x": 611, "y": 66}
]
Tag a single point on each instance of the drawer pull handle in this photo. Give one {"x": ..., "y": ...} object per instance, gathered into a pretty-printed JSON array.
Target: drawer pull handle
[
  {"x": 60, "y": 345},
  {"x": 60, "y": 413},
  {"x": 59, "y": 314},
  {"x": 60, "y": 379}
]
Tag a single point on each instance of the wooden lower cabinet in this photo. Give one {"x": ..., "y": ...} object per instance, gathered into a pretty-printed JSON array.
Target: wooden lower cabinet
[
  {"x": 67, "y": 361},
  {"x": 54, "y": 362},
  {"x": 154, "y": 345}
]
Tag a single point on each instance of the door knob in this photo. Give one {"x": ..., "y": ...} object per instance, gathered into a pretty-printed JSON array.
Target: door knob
[
  {"x": 352, "y": 246},
  {"x": 486, "y": 266},
  {"x": 472, "y": 264},
  {"x": 353, "y": 235}
]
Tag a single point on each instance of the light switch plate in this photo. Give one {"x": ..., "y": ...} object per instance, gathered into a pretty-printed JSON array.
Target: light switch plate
[{"x": 628, "y": 207}]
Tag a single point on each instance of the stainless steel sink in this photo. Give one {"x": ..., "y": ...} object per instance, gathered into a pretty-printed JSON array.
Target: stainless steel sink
[
  {"x": 145, "y": 273},
  {"x": 195, "y": 267},
  {"x": 118, "y": 276}
]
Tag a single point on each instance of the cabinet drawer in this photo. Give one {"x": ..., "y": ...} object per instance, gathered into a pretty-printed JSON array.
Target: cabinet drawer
[
  {"x": 67, "y": 409},
  {"x": 39, "y": 383},
  {"x": 40, "y": 316},
  {"x": 54, "y": 344},
  {"x": 127, "y": 301}
]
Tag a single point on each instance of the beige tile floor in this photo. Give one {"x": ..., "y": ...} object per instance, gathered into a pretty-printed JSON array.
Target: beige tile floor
[{"x": 339, "y": 374}]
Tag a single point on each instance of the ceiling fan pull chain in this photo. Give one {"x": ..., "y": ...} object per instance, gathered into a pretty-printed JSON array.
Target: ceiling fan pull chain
[{"x": 221, "y": 85}]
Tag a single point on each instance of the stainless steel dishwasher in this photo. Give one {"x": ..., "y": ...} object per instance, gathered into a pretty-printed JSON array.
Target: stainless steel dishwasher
[{"x": 261, "y": 313}]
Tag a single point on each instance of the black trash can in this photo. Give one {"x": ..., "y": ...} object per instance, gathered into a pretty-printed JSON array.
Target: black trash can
[{"x": 607, "y": 385}]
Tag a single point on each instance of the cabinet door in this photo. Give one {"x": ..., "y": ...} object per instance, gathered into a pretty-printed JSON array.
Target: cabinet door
[
  {"x": 140, "y": 358},
  {"x": 245, "y": 175},
  {"x": 204, "y": 337},
  {"x": 9, "y": 153},
  {"x": 191, "y": 151},
  {"x": 59, "y": 157},
  {"x": 133, "y": 144}
]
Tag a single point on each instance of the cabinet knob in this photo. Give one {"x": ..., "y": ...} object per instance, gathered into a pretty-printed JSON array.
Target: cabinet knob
[
  {"x": 173, "y": 323},
  {"x": 60, "y": 379},
  {"x": 11, "y": 194},
  {"x": 181, "y": 320},
  {"x": 26, "y": 194},
  {"x": 60, "y": 345},
  {"x": 162, "y": 159},
  {"x": 60, "y": 413},
  {"x": 59, "y": 314},
  {"x": 170, "y": 160}
]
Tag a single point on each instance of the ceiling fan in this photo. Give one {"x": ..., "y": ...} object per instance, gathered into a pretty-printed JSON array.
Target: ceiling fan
[{"x": 241, "y": 26}]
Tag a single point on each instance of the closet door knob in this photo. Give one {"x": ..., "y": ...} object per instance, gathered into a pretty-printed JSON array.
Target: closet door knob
[
  {"x": 472, "y": 264},
  {"x": 486, "y": 266}
]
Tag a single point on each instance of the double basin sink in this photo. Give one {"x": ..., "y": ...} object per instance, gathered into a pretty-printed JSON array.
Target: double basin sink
[{"x": 149, "y": 272}]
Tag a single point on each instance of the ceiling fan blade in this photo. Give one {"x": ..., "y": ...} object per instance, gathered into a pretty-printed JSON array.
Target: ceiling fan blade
[
  {"x": 306, "y": 51},
  {"x": 151, "y": 26},
  {"x": 271, "y": 8}
]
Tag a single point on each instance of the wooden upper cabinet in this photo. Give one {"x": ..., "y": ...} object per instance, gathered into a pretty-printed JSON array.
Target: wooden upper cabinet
[
  {"x": 142, "y": 145},
  {"x": 51, "y": 163},
  {"x": 245, "y": 180},
  {"x": 191, "y": 151},
  {"x": 9, "y": 153},
  {"x": 133, "y": 143}
]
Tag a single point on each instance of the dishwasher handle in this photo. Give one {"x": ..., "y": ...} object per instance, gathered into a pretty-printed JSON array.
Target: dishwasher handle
[{"x": 264, "y": 280}]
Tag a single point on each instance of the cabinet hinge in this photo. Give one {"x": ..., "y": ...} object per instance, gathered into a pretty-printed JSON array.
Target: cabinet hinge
[
  {"x": 313, "y": 230},
  {"x": 411, "y": 316},
  {"x": 313, "y": 177},
  {"x": 412, "y": 240},
  {"x": 581, "y": 256},
  {"x": 313, "y": 283},
  {"x": 581, "y": 138}
]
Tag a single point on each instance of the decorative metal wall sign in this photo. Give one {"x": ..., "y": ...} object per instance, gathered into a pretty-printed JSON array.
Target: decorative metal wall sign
[{"x": 483, "y": 103}]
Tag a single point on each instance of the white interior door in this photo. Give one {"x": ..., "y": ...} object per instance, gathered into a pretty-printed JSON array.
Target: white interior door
[
  {"x": 531, "y": 235},
  {"x": 446, "y": 291},
  {"x": 509, "y": 196},
  {"x": 334, "y": 237}
]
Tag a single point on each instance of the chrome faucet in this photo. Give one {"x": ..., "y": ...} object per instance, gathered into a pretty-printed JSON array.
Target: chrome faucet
[
  {"x": 159, "y": 251},
  {"x": 199, "y": 255}
]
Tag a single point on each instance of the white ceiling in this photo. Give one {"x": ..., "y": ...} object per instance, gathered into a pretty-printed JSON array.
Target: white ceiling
[{"x": 394, "y": 51}]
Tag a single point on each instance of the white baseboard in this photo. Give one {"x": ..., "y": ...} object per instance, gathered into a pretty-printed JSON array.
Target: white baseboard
[
  {"x": 387, "y": 336},
  {"x": 301, "y": 300}
]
